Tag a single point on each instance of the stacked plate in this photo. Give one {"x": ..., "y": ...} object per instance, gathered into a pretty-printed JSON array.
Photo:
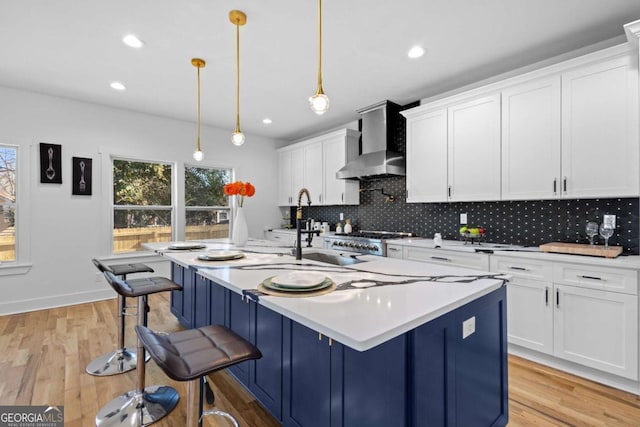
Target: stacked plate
[
  {"x": 298, "y": 281},
  {"x": 186, "y": 246},
  {"x": 220, "y": 256}
]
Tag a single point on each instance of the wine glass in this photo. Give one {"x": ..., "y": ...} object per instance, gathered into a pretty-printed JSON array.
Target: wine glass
[
  {"x": 606, "y": 231},
  {"x": 592, "y": 231}
]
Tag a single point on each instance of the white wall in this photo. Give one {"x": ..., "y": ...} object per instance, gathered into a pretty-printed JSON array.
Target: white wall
[{"x": 60, "y": 233}]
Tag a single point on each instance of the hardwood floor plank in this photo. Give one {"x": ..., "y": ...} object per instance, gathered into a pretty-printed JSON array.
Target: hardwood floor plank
[{"x": 45, "y": 354}]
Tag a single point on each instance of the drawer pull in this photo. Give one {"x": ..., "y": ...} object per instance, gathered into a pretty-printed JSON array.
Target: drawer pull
[
  {"x": 591, "y": 277},
  {"x": 519, "y": 268},
  {"x": 391, "y": 248},
  {"x": 439, "y": 258}
]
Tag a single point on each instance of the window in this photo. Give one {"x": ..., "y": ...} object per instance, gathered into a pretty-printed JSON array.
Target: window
[
  {"x": 142, "y": 204},
  {"x": 8, "y": 203},
  {"x": 207, "y": 207}
]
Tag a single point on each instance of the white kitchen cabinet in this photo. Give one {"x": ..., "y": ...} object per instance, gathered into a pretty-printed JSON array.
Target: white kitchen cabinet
[
  {"x": 531, "y": 140},
  {"x": 575, "y": 312},
  {"x": 288, "y": 238},
  {"x": 394, "y": 251},
  {"x": 313, "y": 164},
  {"x": 598, "y": 329},
  {"x": 337, "y": 150},
  {"x": 426, "y": 156},
  {"x": 290, "y": 175},
  {"x": 474, "y": 150},
  {"x": 476, "y": 261},
  {"x": 600, "y": 150},
  {"x": 313, "y": 172}
]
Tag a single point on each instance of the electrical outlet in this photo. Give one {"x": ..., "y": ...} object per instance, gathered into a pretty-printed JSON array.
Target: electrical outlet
[
  {"x": 341, "y": 216},
  {"x": 468, "y": 327},
  {"x": 610, "y": 219},
  {"x": 463, "y": 218}
]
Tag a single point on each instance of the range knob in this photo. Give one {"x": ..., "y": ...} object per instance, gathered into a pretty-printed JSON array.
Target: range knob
[
  {"x": 374, "y": 248},
  {"x": 340, "y": 243},
  {"x": 334, "y": 243}
]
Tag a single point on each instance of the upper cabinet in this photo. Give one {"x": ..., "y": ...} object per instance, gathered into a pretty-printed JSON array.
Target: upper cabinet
[
  {"x": 453, "y": 153},
  {"x": 290, "y": 174},
  {"x": 531, "y": 140},
  {"x": 474, "y": 150},
  {"x": 567, "y": 131},
  {"x": 600, "y": 156},
  {"x": 313, "y": 164}
]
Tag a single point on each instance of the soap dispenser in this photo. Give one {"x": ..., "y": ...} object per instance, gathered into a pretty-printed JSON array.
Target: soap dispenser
[
  {"x": 339, "y": 228},
  {"x": 347, "y": 226}
]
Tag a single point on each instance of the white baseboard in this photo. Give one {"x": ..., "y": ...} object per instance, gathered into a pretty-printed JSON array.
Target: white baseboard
[{"x": 44, "y": 303}]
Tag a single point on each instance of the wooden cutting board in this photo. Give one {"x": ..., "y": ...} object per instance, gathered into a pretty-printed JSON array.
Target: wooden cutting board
[{"x": 580, "y": 249}]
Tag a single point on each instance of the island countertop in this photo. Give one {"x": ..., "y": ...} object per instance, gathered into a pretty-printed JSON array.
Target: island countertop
[{"x": 375, "y": 301}]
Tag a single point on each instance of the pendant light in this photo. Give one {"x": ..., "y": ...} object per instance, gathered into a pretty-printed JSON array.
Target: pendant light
[
  {"x": 198, "y": 155},
  {"x": 319, "y": 102},
  {"x": 237, "y": 18}
]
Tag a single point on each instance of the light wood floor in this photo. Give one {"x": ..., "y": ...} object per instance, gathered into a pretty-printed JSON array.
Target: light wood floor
[{"x": 43, "y": 356}]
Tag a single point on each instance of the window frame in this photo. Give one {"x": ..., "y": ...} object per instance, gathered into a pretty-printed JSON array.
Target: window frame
[{"x": 113, "y": 207}]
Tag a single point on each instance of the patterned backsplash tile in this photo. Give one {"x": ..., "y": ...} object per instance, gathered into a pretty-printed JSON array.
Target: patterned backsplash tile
[{"x": 527, "y": 223}]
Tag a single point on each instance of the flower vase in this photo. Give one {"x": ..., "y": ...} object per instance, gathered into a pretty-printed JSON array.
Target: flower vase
[{"x": 240, "y": 232}]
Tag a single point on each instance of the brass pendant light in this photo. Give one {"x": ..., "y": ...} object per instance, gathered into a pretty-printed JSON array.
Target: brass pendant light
[
  {"x": 198, "y": 155},
  {"x": 237, "y": 18},
  {"x": 319, "y": 102}
]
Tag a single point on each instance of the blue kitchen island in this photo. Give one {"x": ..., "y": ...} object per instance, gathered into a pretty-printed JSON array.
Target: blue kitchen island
[{"x": 397, "y": 343}]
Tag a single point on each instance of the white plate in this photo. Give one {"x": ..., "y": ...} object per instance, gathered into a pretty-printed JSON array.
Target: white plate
[
  {"x": 299, "y": 280},
  {"x": 220, "y": 256},
  {"x": 186, "y": 246},
  {"x": 267, "y": 283}
]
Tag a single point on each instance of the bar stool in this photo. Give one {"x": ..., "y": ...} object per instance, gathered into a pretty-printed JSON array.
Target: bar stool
[
  {"x": 122, "y": 359},
  {"x": 191, "y": 354},
  {"x": 144, "y": 405}
]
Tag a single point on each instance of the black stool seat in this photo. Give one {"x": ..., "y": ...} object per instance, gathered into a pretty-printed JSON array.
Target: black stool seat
[
  {"x": 189, "y": 354},
  {"x": 140, "y": 287},
  {"x": 123, "y": 269}
]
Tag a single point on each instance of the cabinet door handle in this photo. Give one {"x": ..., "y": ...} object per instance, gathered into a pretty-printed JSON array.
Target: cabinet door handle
[
  {"x": 319, "y": 198},
  {"x": 546, "y": 296},
  {"x": 449, "y": 191},
  {"x": 582, "y": 276},
  {"x": 342, "y": 197},
  {"x": 555, "y": 186},
  {"x": 439, "y": 258},
  {"x": 558, "y": 298},
  {"x": 519, "y": 268},
  {"x": 564, "y": 184}
]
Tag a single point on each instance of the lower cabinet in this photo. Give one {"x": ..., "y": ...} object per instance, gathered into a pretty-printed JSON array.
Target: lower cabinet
[
  {"x": 182, "y": 302},
  {"x": 476, "y": 261},
  {"x": 592, "y": 321},
  {"x": 432, "y": 375}
]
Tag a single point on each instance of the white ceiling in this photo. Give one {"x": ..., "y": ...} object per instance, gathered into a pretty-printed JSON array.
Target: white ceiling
[{"x": 73, "y": 48}]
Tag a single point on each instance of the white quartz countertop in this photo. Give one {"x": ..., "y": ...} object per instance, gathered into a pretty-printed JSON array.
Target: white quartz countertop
[
  {"x": 528, "y": 252},
  {"x": 383, "y": 298}
]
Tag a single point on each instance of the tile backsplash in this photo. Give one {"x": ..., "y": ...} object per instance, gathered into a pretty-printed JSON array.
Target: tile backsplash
[{"x": 527, "y": 223}]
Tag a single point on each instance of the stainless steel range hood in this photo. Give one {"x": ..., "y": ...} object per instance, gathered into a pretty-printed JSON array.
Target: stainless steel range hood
[{"x": 378, "y": 158}]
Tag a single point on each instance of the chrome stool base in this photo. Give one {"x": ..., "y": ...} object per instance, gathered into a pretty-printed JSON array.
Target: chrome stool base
[
  {"x": 115, "y": 362},
  {"x": 135, "y": 409},
  {"x": 219, "y": 413}
]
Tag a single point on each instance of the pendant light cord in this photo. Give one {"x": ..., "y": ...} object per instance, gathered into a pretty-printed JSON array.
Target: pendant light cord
[
  {"x": 320, "y": 46},
  {"x": 237, "y": 76},
  {"x": 198, "y": 133}
]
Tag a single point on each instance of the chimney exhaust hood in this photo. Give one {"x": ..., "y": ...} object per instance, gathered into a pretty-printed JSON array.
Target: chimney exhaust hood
[{"x": 379, "y": 157}]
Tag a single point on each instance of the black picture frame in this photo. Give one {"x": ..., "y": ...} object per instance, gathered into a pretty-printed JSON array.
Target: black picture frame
[
  {"x": 81, "y": 181},
  {"x": 50, "y": 163}
]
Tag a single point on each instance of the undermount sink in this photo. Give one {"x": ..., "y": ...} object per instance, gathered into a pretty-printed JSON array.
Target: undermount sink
[{"x": 331, "y": 258}]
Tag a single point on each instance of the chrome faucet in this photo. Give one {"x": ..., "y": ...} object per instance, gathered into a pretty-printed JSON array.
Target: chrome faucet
[{"x": 299, "y": 224}]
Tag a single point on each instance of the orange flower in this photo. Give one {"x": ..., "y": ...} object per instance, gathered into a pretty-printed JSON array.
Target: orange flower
[{"x": 239, "y": 188}]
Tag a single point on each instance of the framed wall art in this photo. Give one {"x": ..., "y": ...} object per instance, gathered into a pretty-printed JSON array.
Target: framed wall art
[
  {"x": 50, "y": 163},
  {"x": 81, "y": 185}
]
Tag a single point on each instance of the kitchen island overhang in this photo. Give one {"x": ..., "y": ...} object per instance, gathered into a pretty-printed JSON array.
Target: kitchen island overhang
[{"x": 425, "y": 349}]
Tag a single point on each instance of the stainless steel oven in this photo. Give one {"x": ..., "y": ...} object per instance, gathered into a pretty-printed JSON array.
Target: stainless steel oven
[{"x": 364, "y": 242}]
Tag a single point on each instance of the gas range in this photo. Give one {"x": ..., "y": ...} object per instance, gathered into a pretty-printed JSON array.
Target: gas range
[{"x": 364, "y": 241}]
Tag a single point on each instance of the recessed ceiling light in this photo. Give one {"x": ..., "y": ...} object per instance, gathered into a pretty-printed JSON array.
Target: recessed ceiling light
[
  {"x": 267, "y": 121},
  {"x": 117, "y": 86},
  {"x": 132, "y": 41},
  {"x": 415, "y": 52}
]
